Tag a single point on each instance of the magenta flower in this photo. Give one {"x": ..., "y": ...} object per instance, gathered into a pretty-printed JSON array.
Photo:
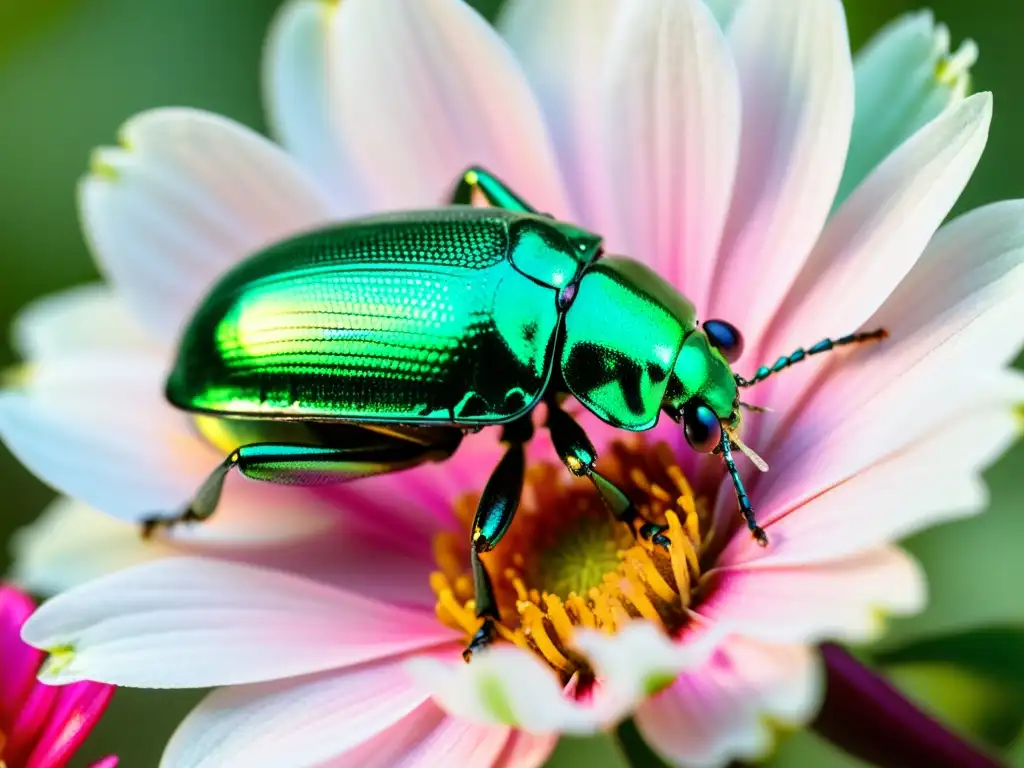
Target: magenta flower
[{"x": 41, "y": 726}]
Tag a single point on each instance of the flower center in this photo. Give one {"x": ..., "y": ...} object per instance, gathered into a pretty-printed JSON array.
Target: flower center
[{"x": 566, "y": 563}]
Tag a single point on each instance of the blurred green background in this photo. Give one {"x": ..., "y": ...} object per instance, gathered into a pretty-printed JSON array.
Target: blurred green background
[{"x": 71, "y": 72}]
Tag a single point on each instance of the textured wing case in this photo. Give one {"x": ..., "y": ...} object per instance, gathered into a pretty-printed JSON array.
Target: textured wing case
[{"x": 416, "y": 318}]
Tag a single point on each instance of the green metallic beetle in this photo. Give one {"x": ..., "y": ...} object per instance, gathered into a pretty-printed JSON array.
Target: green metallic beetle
[{"x": 375, "y": 345}]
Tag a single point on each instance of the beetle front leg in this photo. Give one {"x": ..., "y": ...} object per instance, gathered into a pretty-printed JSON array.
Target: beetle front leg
[
  {"x": 498, "y": 504},
  {"x": 578, "y": 454},
  {"x": 479, "y": 183}
]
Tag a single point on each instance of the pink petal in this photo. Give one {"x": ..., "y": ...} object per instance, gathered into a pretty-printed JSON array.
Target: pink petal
[
  {"x": 671, "y": 114},
  {"x": 190, "y": 196},
  {"x": 796, "y": 77},
  {"x": 524, "y": 750},
  {"x": 841, "y": 599},
  {"x": 720, "y": 713},
  {"x": 190, "y": 622},
  {"x": 32, "y": 717},
  {"x": 18, "y": 661},
  {"x": 420, "y": 78},
  {"x": 76, "y": 711},
  {"x": 298, "y": 72},
  {"x": 562, "y": 47},
  {"x": 110, "y": 761}
]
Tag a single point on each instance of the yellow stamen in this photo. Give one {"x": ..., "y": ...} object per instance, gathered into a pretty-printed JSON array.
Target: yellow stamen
[{"x": 565, "y": 563}]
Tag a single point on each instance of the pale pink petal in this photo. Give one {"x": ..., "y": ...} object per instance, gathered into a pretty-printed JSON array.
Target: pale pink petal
[
  {"x": 416, "y": 83},
  {"x": 97, "y": 428},
  {"x": 302, "y": 721},
  {"x": 507, "y": 685},
  {"x": 796, "y": 77},
  {"x": 297, "y": 82},
  {"x": 524, "y": 750},
  {"x": 562, "y": 47},
  {"x": 672, "y": 138},
  {"x": 725, "y": 710},
  {"x": 877, "y": 235},
  {"x": 75, "y": 712},
  {"x": 928, "y": 482},
  {"x": 189, "y": 195},
  {"x": 71, "y": 543},
  {"x": 20, "y": 661},
  {"x": 841, "y": 599},
  {"x": 83, "y": 319},
  {"x": 193, "y": 623}
]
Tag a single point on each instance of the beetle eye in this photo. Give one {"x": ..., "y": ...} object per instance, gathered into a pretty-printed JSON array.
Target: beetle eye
[
  {"x": 726, "y": 338},
  {"x": 702, "y": 428}
]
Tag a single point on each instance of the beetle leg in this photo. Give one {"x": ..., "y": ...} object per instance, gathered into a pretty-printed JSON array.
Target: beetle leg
[
  {"x": 577, "y": 452},
  {"x": 301, "y": 464},
  {"x": 478, "y": 183},
  {"x": 498, "y": 504}
]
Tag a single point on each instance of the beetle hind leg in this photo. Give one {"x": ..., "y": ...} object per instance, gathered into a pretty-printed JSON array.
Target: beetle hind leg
[{"x": 365, "y": 453}]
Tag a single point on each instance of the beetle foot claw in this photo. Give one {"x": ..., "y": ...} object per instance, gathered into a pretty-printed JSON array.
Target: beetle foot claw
[
  {"x": 655, "y": 533},
  {"x": 484, "y": 636},
  {"x": 152, "y": 524}
]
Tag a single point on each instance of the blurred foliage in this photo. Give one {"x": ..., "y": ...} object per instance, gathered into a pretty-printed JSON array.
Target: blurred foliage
[{"x": 72, "y": 72}]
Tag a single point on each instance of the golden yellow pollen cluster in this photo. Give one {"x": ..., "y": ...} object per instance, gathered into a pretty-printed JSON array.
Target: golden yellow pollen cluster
[{"x": 565, "y": 563}]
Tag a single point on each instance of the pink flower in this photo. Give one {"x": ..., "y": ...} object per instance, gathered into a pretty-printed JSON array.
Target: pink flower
[
  {"x": 731, "y": 161},
  {"x": 41, "y": 726}
]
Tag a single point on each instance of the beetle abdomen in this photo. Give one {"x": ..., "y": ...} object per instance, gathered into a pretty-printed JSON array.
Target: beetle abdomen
[{"x": 410, "y": 318}]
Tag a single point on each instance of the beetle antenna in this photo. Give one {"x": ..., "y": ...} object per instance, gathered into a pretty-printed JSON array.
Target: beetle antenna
[
  {"x": 825, "y": 345},
  {"x": 756, "y": 408},
  {"x": 749, "y": 452},
  {"x": 741, "y": 494}
]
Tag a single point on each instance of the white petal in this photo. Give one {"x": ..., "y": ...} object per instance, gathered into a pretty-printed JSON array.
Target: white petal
[
  {"x": 880, "y": 232},
  {"x": 562, "y": 47},
  {"x": 297, "y": 80},
  {"x": 86, "y": 318},
  {"x": 725, "y": 711},
  {"x": 672, "y": 133},
  {"x": 194, "y": 623},
  {"x": 796, "y": 78},
  {"x": 188, "y": 196},
  {"x": 723, "y": 10},
  {"x": 841, "y": 599},
  {"x": 906, "y": 76},
  {"x": 426, "y": 88},
  {"x": 965, "y": 289},
  {"x": 298, "y": 722},
  {"x": 509, "y": 686},
  {"x": 71, "y": 543}
]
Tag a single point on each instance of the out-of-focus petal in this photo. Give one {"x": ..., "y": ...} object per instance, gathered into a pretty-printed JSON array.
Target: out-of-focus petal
[
  {"x": 725, "y": 710},
  {"x": 723, "y": 10},
  {"x": 796, "y": 78},
  {"x": 89, "y": 318},
  {"x": 525, "y": 750},
  {"x": 906, "y": 76},
  {"x": 188, "y": 195},
  {"x": 563, "y": 49},
  {"x": 298, "y": 82},
  {"x": 75, "y": 713},
  {"x": 193, "y": 623},
  {"x": 800, "y": 604},
  {"x": 20, "y": 661},
  {"x": 71, "y": 543},
  {"x": 509, "y": 686},
  {"x": 672, "y": 139},
  {"x": 416, "y": 84}
]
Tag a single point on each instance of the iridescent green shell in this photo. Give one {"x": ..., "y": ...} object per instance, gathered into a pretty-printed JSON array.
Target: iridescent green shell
[{"x": 444, "y": 316}]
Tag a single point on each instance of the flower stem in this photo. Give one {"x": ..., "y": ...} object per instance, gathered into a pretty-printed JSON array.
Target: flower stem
[{"x": 867, "y": 717}]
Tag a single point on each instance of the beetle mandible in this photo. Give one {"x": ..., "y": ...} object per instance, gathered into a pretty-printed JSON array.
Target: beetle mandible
[{"x": 376, "y": 344}]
